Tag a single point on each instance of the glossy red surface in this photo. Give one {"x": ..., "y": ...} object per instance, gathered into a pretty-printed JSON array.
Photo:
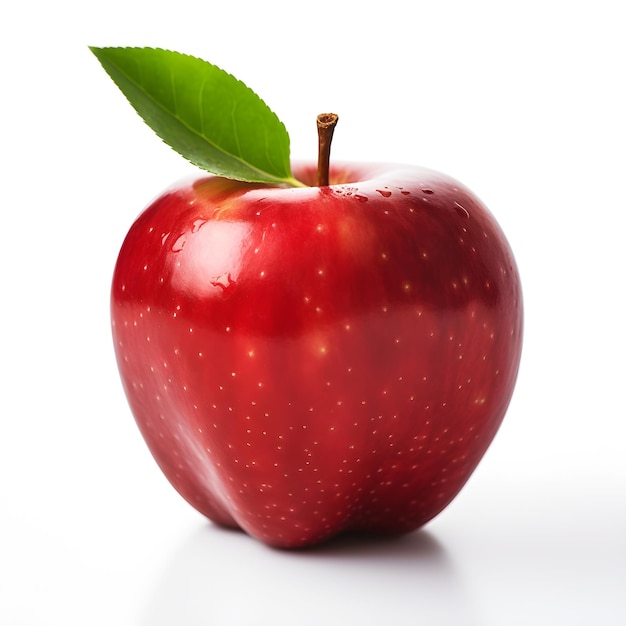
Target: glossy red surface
[{"x": 306, "y": 361}]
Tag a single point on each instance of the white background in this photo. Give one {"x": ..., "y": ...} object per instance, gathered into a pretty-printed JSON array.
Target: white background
[{"x": 523, "y": 102}]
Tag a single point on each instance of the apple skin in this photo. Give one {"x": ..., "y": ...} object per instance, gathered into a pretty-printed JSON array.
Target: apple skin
[{"x": 307, "y": 361}]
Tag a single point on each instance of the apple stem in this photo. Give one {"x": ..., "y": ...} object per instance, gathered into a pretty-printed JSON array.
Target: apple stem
[{"x": 326, "y": 123}]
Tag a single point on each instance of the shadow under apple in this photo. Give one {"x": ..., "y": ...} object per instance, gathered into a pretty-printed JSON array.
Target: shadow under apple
[{"x": 223, "y": 577}]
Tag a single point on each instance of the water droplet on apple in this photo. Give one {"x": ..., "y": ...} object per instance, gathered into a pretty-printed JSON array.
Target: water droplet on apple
[
  {"x": 461, "y": 210},
  {"x": 197, "y": 225},
  {"x": 404, "y": 192},
  {"x": 385, "y": 193},
  {"x": 223, "y": 281},
  {"x": 427, "y": 191},
  {"x": 360, "y": 197},
  {"x": 179, "y": 244}
]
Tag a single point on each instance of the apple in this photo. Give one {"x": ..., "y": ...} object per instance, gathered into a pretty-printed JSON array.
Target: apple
[
  {"x": 309, "y": 349},
  {"x": 308, "y": 361}
]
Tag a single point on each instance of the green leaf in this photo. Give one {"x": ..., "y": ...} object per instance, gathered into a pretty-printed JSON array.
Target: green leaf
[{"x": 202, "y": 112}]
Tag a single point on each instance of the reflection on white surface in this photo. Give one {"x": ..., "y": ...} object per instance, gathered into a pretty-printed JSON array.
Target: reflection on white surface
[
  {"x": 223, "y": 577},
  {"x": 548, "y": 558}
]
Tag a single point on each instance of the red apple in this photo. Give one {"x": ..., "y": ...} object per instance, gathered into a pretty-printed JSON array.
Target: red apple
[{"x": 308, "y": 361}]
